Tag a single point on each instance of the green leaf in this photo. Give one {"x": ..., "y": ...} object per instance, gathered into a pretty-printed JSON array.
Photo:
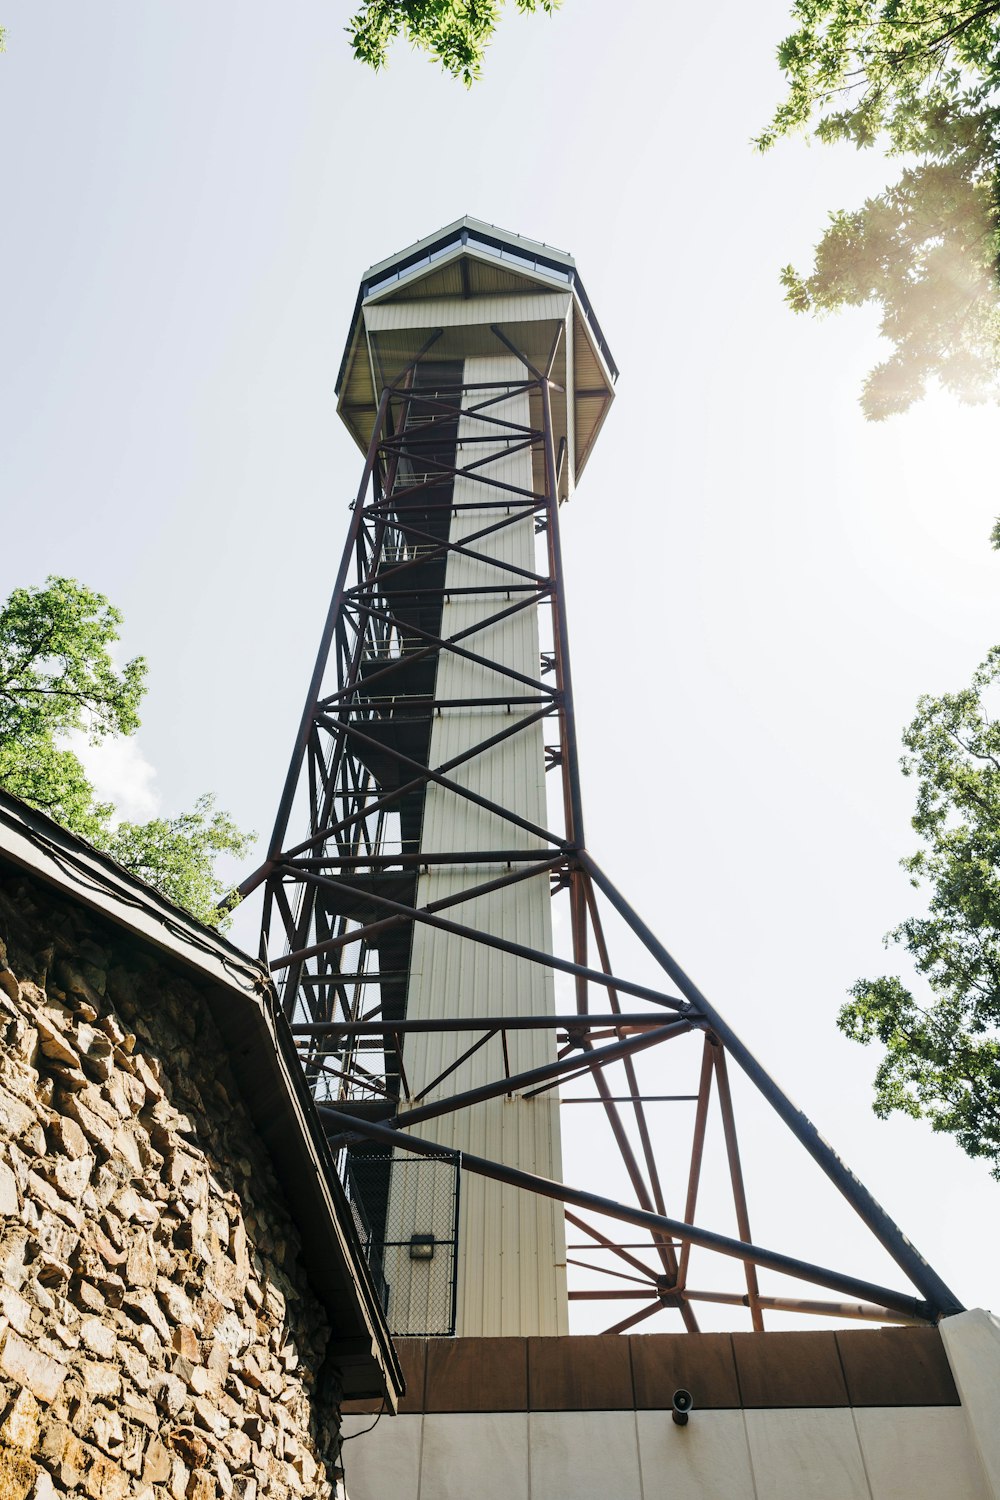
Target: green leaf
[
  {"x": 58, "y": 677},
  {"x": 455, "y": 33},
  {"x": 941, "y": 1058},
  {"x": 920, "y": 80},
  {"x": 177, "y": 855}
]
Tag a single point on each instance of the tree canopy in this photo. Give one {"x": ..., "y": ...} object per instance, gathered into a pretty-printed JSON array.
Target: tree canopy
[
  {"x": 58, "y": 679},
  {"x": 455, "y": 32},
  {"x": 942, "y": 1054},
  {"x": 921, "y": 79}
]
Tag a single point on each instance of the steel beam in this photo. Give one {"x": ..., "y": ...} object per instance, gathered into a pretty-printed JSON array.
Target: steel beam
[
  {"x": 638, "y": 1021},
  {"x": 706, "y": 1239},
  {"x": 939, "y": 1296},
  {"x": 391, "y": 589}
]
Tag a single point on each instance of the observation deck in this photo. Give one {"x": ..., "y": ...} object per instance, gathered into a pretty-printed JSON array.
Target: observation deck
[{"x": 474, "y": 290}]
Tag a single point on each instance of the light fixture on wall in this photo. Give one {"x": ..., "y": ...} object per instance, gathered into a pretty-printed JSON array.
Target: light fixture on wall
[{"x": 422, "y": 1246}]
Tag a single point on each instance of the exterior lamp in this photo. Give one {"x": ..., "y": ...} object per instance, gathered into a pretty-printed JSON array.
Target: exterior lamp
[{"x": 422, "y": 1247}]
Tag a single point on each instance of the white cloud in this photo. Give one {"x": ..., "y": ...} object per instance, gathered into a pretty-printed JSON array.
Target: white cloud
[{"x": 121, "y": 774}]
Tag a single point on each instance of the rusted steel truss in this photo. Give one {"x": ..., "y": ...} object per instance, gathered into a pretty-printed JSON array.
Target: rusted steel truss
[{"x": 340, "y": 898}]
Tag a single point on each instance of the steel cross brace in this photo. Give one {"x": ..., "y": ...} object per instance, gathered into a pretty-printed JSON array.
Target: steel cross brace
[{"x": 333, "y": 961}]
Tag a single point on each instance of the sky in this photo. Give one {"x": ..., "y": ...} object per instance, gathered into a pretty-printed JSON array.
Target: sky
[{"x": 191, "y": 195}]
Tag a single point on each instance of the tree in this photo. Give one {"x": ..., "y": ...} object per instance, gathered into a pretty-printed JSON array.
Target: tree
[
  {"x": 455, "y": 32},
  {"x": 57, "y": 679},
  {"x": 921, "y": 78},
  {"x": 942, "y": 1058},
  {"x": 177, "y": 854}
]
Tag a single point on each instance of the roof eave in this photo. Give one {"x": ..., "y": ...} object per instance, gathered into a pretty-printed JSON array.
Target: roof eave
[{"x": 238, "y": 992}]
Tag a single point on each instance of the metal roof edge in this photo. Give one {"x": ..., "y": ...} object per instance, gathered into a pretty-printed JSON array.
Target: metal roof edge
[
  {"x": 538, "y": 274},
  {"x": 422, "y": 247}
]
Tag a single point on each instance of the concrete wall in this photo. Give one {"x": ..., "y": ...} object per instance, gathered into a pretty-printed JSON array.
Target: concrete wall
[
  {"x": 157, "y": 1334},
  {"x": 972, "y": 1341},
  {"x": 873, "y": 1454},
  {"x": 863, "y": 1414}
]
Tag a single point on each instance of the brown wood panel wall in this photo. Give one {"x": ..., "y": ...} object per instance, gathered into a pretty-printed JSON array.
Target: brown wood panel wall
[{"x": 856, "y": 1367}]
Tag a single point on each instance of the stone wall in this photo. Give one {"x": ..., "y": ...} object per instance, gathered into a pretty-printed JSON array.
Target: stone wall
[{"x": 157, "y": 1334}]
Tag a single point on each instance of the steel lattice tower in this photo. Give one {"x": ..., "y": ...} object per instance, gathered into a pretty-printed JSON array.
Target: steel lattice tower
[{"x": 415, "y": 855}]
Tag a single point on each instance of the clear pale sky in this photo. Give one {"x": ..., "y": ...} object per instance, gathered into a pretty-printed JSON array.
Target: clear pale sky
[{"x": 190, "y": 196}]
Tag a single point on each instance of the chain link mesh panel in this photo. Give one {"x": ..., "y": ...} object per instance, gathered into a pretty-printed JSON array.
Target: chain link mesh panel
[{"x": 406, "y": 1211}]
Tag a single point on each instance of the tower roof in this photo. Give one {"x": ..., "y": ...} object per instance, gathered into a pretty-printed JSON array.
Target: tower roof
[{"x": 459, "y": 284}]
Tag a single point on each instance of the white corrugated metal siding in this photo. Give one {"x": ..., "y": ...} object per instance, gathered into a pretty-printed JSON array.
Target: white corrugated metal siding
[
  {"x": 512, "y": 1275},
  {"x": 446, "y": 313}
]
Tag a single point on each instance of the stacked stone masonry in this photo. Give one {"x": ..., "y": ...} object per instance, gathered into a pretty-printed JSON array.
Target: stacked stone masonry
[{"x": 158, "y": 1337}]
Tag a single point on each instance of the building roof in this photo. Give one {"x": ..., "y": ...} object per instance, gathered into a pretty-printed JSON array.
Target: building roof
[{"x": 243, "y": 1003}]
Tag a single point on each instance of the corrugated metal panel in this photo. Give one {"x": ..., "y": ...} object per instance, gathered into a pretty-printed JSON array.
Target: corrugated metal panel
[
  {"x": 486, "y": 277},
  {"x": 590, "y": 376},
  {"x": 512, "y": 1277},
  {"x": 567, "y": 482},
  {"x": 398, "y": 330},
  {"x": 398, "y": 347},
  {"x": 589, "y": 414},
  {"x": 466, "y": 273},
  {"x": 439, "y": 313},
  {"x": 444, "y": 281}
]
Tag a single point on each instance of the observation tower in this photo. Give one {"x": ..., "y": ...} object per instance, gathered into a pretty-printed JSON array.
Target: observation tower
[{"x": 432, "y": 818}]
